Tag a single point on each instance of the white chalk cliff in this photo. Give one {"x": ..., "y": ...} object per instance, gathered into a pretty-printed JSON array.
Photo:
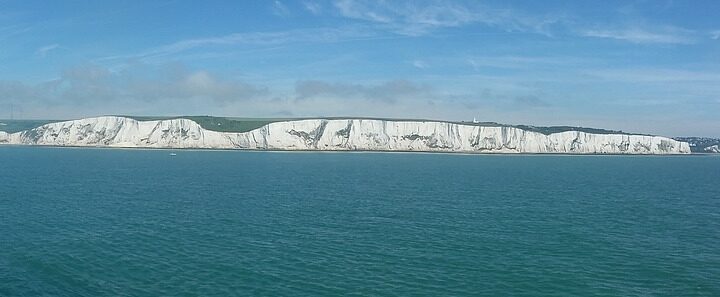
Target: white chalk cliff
[
  {"x": 338, "y": 135},
  {"x": 713, "y": 149}
]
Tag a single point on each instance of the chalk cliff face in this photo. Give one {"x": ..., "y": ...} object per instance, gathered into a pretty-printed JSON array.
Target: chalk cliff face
[
  {"x": 350, "y": 134},
  {"x": 709, "y": 149}
]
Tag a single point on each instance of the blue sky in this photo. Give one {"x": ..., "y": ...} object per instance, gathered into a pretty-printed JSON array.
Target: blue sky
[{"x": 640, "y": 66}]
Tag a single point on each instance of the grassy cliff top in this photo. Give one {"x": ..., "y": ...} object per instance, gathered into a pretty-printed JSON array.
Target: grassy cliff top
[
  {"x": 12, "y": 126},
  {"x": 232, "y": 124},
  {"x": 238, "y": 125}
]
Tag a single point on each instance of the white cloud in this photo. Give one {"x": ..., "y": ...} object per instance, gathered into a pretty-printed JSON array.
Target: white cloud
[
  {"x": 313, "y": 7},
  {"x": 389, "y": 92},
  {"x": 272, "y": 38},
  {"x": 715, "y": 34},
  {"x": 520, "y": 62},
  {"x": 280, "y": 9},
  {"x": 360, "y": 10},
  {"x": 653, "y": 75},
  {"x": 669, "y": 35},
  {"x": 416, "y": 18},
  {"x": 12, "y": 31},
  {"x": 43, "y": 51},
  {"x": 92, "y": 87},
  {"x": 420, "y": 64}
]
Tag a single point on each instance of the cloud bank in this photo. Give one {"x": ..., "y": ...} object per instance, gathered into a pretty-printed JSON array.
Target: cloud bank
[{"x": 95, "y": 89}]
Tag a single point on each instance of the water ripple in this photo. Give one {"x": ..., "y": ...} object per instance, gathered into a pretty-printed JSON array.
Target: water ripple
[{"x": 87, "y": 222}]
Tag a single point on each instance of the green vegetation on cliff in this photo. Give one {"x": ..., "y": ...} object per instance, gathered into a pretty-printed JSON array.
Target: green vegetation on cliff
[
  {"x": 12, "y": 126},
  {"x": 239, "y": 125}
]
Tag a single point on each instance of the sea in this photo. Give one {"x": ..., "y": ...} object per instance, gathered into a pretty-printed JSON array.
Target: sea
[{"x": 121, "y": 222}]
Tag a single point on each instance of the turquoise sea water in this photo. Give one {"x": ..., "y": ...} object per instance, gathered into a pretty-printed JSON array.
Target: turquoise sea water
[{"x": 104, "y": 222}]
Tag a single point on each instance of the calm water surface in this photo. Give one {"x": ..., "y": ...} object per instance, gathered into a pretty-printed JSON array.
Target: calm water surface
[{"x": 103, "y": 222}]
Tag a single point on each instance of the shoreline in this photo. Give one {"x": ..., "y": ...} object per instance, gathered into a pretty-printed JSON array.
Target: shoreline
[
  {"x": 348, "y": 151},
  {"x": 342, "y": 135}
]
